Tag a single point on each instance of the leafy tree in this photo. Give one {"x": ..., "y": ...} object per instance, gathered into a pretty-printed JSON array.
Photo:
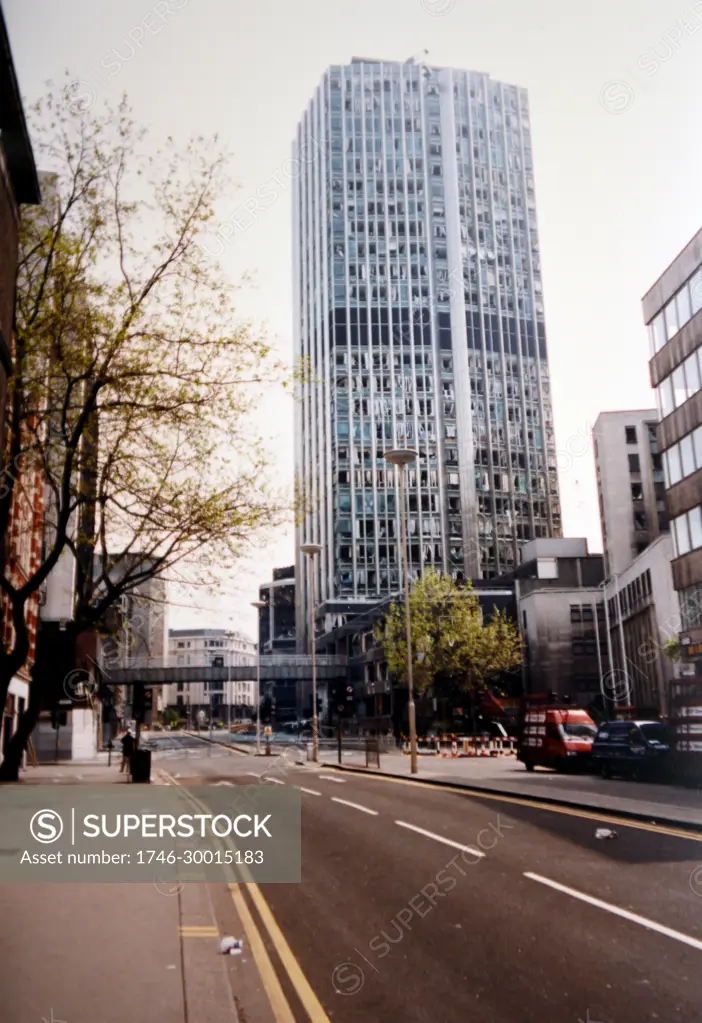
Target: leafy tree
[
  {"x": 453, "y": 647},
  {"x": 171, "y": 717},
  {"x": 672, "y": 648},
  {"x": 134, "y": 377}
]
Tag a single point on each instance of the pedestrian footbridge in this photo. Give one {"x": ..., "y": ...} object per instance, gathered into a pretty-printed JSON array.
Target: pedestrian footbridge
[{"x": 274, "y": 668}]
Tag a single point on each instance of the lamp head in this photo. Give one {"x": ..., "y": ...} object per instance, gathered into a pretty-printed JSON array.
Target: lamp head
[
  {"x": 311, "y": 549},
  {"x": 401, "y": 456}
]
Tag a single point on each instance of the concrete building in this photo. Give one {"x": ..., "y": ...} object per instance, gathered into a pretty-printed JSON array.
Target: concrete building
[
  {"x": 419, "y": 318},
  {"x": 643, "y": 615},
  {"x": 562, "y": 618},
  {"x": 630, "y": 485},
  {"x": 223, "y": 701},
  {"x": 277, "y": 621},
  {"x": 672, "y": 310},
  {"x": 641, "y": 601}
]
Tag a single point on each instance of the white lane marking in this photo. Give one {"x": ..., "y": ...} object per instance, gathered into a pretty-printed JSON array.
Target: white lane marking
[
  {"x": 651, "y": 925},
  {"x": 253, "y": 774},
  {"x": 276, "y": 781},
  {"x": 356, "y": 806},
  {"x": 223, "y": 783},
  {"x": 440, "y": 838},
  {"x": 310, "y": 792},
  {"x": 328, "y": 777}
]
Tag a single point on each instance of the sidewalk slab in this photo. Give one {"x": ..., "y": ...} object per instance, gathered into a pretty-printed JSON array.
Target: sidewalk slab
[{"x": 85, "y": 952}]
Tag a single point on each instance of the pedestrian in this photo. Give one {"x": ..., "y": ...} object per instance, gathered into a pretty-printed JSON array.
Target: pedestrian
[{"x": 127, "y": 750}]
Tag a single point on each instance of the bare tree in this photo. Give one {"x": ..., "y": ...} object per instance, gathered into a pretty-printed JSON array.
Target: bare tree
[{"x": 134, "y": 377}]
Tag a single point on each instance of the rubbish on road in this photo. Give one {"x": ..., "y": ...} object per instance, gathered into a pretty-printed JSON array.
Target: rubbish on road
[
  {"x": 605, "y": 833},
  {"x": 231, "y": 946}
]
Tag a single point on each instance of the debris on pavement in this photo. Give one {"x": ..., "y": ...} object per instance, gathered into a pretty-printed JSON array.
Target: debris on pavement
[
  {"x": 231, "y": 946},
  {"x": 605, "y": 833}
]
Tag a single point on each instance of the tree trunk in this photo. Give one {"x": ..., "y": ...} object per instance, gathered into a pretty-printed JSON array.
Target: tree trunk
[{"x": 9, "y": 769}]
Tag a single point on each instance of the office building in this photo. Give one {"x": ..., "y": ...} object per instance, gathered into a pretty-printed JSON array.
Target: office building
[
  {"x": 419, "y": 322},
  {"x": 672, "y": 310},
  {"x": 630, "y": 485},
  {"x": 205, "y": 648}
]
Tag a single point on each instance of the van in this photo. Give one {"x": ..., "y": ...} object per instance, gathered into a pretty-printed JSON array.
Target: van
[{"x": 560, "y": 738}]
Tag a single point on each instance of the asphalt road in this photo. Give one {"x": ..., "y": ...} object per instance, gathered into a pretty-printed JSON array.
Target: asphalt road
[{"x": 423, "y": 905}]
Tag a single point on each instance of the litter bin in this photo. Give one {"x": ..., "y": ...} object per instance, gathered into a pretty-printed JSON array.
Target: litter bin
[{"x": 140, "y": 765}]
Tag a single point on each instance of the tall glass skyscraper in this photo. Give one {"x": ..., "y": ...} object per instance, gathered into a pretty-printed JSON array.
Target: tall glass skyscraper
[{"x": 419, "y": 322}]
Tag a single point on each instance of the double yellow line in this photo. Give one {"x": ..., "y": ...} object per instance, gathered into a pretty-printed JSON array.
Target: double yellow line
[{"x": 280, "y": 1006}]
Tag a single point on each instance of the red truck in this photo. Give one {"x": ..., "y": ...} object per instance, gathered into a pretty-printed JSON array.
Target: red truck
[{"x": 554, "y": 734}]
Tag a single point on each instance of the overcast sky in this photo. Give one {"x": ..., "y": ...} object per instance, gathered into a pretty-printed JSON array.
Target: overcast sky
[{"x": 614, "y": 90}]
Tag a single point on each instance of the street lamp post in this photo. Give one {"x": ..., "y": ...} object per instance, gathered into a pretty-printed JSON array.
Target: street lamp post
[
  {"x": 259, "y": 605},
  {"x": 401, "y": 457},
  {"x": 229, "y": 687},
  {"x": 310, "y": 550}
]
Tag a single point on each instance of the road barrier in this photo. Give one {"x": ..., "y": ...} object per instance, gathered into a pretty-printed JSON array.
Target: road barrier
[{"x": 472, "y": 746}]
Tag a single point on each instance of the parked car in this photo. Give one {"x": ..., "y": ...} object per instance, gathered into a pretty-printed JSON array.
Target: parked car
[{"x": 635, "y": 748}]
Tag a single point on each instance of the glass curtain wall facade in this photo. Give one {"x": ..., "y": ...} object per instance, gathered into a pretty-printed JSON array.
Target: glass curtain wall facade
[{"x": 419, "y": 322}]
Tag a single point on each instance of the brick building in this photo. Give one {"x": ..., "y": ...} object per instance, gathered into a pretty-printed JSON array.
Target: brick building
[
  {"x": 23, "y": 553},
  {"x": 18, "y": 185}
]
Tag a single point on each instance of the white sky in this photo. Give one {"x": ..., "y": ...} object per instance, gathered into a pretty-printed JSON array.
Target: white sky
[{"x": 618, "y": 190}]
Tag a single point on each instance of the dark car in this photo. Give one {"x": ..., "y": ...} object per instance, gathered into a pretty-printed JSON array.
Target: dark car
[{"x": 635, "y": 748}]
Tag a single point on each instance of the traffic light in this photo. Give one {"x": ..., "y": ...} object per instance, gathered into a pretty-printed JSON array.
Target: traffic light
[{"x": 59, "y": 719}]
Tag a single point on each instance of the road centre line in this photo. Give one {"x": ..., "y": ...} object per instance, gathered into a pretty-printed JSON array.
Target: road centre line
[
  {"x": 440, "y": 838},
  {"x": 310, "y": 792},
  {"x": 356, "y": 806},
  {"x": 328, "y": 777},
  {"x": 626, "y": 914}
]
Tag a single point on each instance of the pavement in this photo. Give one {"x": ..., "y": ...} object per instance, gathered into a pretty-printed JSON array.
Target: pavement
[
  {"x": 76, "y": 952},
  {"x": 417, "y": 903}
]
